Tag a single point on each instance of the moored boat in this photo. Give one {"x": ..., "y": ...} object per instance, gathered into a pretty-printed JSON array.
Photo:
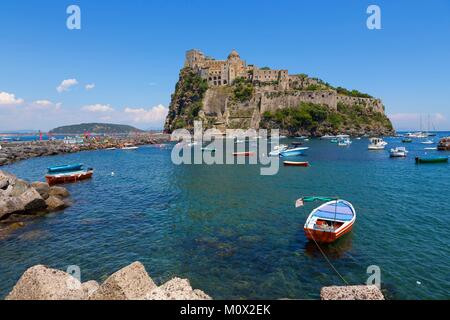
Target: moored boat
[
  {"x": 129, "y": 146},
  {"x": 377, "y": 144},
  {"x": 407, "y": 140},
  {"x": 399, "y": 152},
  {"x": 344, "y": 142},
  {"x": 293, "y": 152},
  {"x": 66, "y": 177},
  {"x": 243, "y": 154},
  {"x": 65, "y": 168},
  {"x": 277, "y": 149},
  {"x": 330, "y": 221},
  {"x": 426, "y": 160},
  {"x": 296, "y": 163}
]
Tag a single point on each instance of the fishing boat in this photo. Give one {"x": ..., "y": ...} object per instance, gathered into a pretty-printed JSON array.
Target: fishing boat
[
  {"x": 399, "y": 152},
  {"x": 296, "y": 163},
  {"x": 129, "y": 146},
  {"x": 277, "y": 149},
  {"x": 243, "y": 154},
  {"x": 426, "y": 160},
  {"x": 293, "y": 152},
  {"x": 65, "y": 168},
  {"x": 377, "y": 144},
  {"x": 330, "y": 221},
  {"x": 71, "y": 176}
]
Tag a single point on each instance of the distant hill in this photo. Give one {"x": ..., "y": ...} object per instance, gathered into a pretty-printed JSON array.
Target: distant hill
[{"x": 107, "y": 128}]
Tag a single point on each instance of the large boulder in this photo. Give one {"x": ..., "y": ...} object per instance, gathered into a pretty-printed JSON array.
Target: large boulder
[
  {"x": 17, "y": 196},
  {"x": 43, "y": 188},
  {"x": 177, "y": 289},
  {"x": 58, "y": 192},
  {"x": 42, "y": 283},
  {"x": 129, "y": 283},
  {"x": 351, "y": 293},
  {"x": 54, "y": 203}
]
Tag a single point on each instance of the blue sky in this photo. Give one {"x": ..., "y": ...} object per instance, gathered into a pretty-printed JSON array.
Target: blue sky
[{"x": 132, "y": 52}]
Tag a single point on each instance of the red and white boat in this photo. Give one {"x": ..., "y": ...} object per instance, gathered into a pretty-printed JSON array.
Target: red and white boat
[
  {"x": 330, "y": 221},
  {"x": 296, "y": 163},
  {"x": 65, "y": 177}
]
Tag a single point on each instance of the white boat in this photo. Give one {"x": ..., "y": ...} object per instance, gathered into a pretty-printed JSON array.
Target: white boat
[
  {"x": 277, "y": 150},
  {"x": 427, "y": 142},
  {"x": 399, "y": 152},
  {"x": 431, "y": 148},
  {"x": 129, "y": 146},
  {"x": 344, "y": 142},
  {"x": 112, "y": 148},
  {"x": 327, "y": 136},
  {"x": 377, "y": 144}
]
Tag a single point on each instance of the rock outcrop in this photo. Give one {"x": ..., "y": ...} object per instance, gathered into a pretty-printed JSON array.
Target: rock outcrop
[
  {"x": 351, "y": 293},
  {"x": 19, "y": 199},
  {"x": 130, "y": 283},
  {"x": 247, "y": 104}
]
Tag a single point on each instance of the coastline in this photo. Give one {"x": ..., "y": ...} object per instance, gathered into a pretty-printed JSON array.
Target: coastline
[{"x": 11, "y": 152}]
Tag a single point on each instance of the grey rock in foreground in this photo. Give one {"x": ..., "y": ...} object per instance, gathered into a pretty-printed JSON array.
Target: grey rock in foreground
[
  {"x": 19, "y": 197},
  {"x": 351, "y": 293},
  {"x": 130, "y": 283}
]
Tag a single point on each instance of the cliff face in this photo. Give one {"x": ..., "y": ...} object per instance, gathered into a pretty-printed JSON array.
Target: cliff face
[{"x": 305, "y": 106}]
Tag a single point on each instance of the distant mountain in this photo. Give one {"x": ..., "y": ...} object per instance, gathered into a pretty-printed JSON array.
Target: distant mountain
[{"x": 107, "y": 128}]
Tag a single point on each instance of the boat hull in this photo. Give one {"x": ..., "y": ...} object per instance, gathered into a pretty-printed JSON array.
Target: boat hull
[
  {"x": 327, "y": 237},
  {"x": 431, "y": 160},
  {"x": 296, "y": 164},
  {"x": 68, "y": 178}
]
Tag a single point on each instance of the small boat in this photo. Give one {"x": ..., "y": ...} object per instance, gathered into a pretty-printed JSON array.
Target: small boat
[
  {"x": 296, "y": 163},
  {"x": 293, "y": 152},
  {"x": 65, "y": 168},
  {"x": 377, "y": 144},
  {"x": 407, "y": 140},
  {"x": 129, "y": 146},
  {"x": 72, "y": 176},
  {"x": 295, "y": 143},
  {"x": 334, "y": 140},
  {"x": 330, "y": 221},
  {"x": 430, "y": 148},
  {"x": 327, "y": 136},
  {"x": 399, "y": 152},
  {"x": 243, "y": 154},
  {"x": 277, "y": 149},
  {"x": 427, "y": 142},
  {"x": 344, "y": 142},
  {"x": 112, "y": 148},
  {"x": 424, "y": 160}
]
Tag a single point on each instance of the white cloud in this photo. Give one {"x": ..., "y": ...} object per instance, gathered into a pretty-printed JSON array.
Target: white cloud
[
  {"x": 66, "y": 85},
  {"x": 9, "y": 99},
  {"x": 44, "y": 105},
  {"x": 89, "y": 86},
  {"x": 152, "y": 115},
  {"x": 98, "y": 108}
]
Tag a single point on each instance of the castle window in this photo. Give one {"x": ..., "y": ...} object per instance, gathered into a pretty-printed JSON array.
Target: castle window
[
  {"x": 215, "y": 83},
  {"x": 224, "y": 81}
]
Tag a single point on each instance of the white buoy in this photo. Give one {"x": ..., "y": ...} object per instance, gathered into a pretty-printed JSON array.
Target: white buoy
[
  {"x": 418, "y": 283},
  {"x": 112, "y": 174}
]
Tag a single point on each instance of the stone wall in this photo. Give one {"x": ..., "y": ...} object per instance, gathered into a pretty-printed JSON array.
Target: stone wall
[{"x": 375, "y": 104}]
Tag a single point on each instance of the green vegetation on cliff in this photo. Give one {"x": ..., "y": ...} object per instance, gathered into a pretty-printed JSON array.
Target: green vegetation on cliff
[
  {"x": 99, "y": 128},
  {"x": 243, "y": 89},
  {"x": 315, "y": 119},
  {"x": 186, "y": 101}
]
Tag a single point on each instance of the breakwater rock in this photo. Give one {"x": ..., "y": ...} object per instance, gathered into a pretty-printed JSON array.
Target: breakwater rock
[
  {"x": 16, "y": 151},
  {"x": 351, "y": 293},
  {"x": 20, "y": 199},
  {"x": 130, "y": 283}
]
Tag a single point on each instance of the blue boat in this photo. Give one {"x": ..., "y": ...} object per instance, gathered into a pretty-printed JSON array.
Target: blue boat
[
  {"x": 65, "y": 168},
  {"x": 293, "y": 152}
]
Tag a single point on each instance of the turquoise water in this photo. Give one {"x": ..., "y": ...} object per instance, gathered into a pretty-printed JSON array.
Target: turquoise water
[{"x": 236, "y": 234}]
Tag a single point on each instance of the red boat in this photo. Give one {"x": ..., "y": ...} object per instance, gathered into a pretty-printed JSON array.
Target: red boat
[
  {"x": 296, "y": 163},
  {"x": 330, "y": 221},
  {"x": 66, "y": 177},
  {"x": 243, "y": 154}
]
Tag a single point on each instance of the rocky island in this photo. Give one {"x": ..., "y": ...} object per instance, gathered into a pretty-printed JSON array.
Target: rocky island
[{"x": 231, "y": 94}]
